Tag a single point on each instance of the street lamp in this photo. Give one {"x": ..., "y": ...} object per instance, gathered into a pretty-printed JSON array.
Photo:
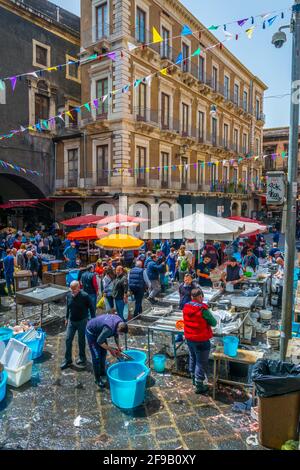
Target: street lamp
[{"x": 278, "y": 40}]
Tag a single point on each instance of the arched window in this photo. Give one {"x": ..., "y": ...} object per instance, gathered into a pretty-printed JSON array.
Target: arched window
[
  {"x": 72, "y": 208},
  {"x": 235, "y": 209},
  {"x": 42, "y": 101}
]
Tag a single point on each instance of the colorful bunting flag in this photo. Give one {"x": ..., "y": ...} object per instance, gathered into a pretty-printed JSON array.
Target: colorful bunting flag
[
  {"x": 2, "y": 85},
  {"x": 197, "y": 52},
  {"x": 156, "y": 36},
  {"x": 96, "y": 103},
  {"x": 137, "y": 83},
  {"x": 45, "y": 124},
  {"x": 186, "y": 31},
  {"x": 164, "y": 72},
  {"x": 271, "y": 20},
  {"x": 250, "y": 31},
  {"x": 125, "y": 88},
  {"x": 87, "y": 106},
  {"x": 112, "y": 56},
  {"x": 213, "y": 28},
  {"x": 13, "y": 81},
  {"x": 131, "y": 46},
  {"x": 179, "y": 58},
  {"x": 242, "y": 22},
  {"x": 68, "y": 113},
  {"x": 52, "y": 69},
  {"x": 104, "y": 98}
]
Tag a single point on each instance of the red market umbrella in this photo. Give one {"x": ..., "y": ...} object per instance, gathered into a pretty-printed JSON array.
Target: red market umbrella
[
  {"x": 245, "y": 219},
  {"x": 89, "y": 233},
  {"x": 82, "y": 220},
  {"x": 119, "y": 218}
]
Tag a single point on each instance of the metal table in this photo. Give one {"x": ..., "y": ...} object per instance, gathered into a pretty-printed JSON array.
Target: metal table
[
  {"x": 262, "y": 284},
  {"x": 239, "y": 300},
  {"x": 210, "y": 295},
  {"x": 40, "y": 296},
  {"x": 167, "y": 325},
  {"x": 2, "y": 308}
]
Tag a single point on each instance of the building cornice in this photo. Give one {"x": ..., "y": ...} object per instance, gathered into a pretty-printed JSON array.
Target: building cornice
[{"x": 41, "y": 20}]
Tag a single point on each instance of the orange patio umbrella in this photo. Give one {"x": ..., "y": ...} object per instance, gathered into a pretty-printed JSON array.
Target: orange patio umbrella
[{"x": 89, "y": 233}]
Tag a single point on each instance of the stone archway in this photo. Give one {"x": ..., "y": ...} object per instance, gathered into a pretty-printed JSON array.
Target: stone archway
[
  {"x": 244, "y": 209},
  {"x": 72, "y": 209},
  {"x": 235, "y": 209}
]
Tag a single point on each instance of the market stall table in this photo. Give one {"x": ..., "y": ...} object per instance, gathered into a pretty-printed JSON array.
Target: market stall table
[
  {"x": 261, "y": 283},
  {"x": 210, "y": 295},
  {"x": 40, "y": 296},
  {"x": 2, "y": 308},
  {"x": 167, "y": 325},
  {"x": 242, "y": 357},
  {"x": 239, "y": 300}
]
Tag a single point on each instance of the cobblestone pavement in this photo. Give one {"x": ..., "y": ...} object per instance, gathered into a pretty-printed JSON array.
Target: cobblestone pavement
[{"x": 40, "y": 415}]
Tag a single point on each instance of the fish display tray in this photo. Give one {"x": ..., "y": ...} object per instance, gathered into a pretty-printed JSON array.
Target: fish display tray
[{"x": 42, "y": 294}]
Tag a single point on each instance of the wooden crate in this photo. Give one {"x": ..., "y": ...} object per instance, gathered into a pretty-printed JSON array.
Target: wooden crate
[{"x": 22, "y": 280}]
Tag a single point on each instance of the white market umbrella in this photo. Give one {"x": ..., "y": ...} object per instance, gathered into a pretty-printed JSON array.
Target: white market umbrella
[{"x": 198, "y": 226}]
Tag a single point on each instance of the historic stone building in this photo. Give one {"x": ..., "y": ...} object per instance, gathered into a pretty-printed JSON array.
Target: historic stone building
[
  {"x": 161, "y": 142},
  {"x": 35, "y": 34}
]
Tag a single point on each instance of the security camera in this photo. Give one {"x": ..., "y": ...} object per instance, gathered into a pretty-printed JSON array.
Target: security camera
[{"x": 279, "y": 39}]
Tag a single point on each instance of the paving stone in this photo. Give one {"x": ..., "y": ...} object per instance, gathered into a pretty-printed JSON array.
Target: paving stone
[
  {"x": 143, "y": 443},
  {"x": 206, "y": 410},
  {"x": 137, "y": 427},
  {"x": 166, "y": 434},
  {"x": 189, "y": 423},
  {"x": 199, "y": 441},
  {"x": 160, "y": 419},
  {"x": 218, "y": 430},
  {"x": 231, "y": 444},
  {"x": 171, "y": 445},
  {"x": 180, "y": 407}
]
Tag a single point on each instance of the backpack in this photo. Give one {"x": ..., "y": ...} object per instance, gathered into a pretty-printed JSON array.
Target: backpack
[{"x": 184, "y": 265}]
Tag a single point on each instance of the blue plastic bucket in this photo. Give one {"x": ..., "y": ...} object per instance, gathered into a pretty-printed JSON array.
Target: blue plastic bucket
[
  {"x": 159, "y": 362},
  {"x": 127, "y": 391},
  {"x": 72, "y": 276},
  {"x": 36, "y": 345},
  {"x": 231, "y": 344},
  {"x": 5, "y": 334},
  {"x": 3, "y": 385},
  {"x": 137, "y": 356}
]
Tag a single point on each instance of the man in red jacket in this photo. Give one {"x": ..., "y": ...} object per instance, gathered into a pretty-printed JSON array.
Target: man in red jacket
[{"x": 197, "y": 331}]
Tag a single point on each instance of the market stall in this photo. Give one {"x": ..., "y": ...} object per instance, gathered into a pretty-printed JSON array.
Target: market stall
[{"x": 40, "y": 296}]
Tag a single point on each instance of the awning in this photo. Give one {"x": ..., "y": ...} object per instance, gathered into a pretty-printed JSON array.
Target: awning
[
  {"x": 82, "y": 220},
  {"x": 13, "y": 205}
]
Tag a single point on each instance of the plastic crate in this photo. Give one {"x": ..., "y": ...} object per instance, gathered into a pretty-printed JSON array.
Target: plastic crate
[
  {"x": 36, "y": 345},
  {"x": 3, "y": 383},
  {"x": 21, "y": 375},
  {"x": 5, "y": 334}
]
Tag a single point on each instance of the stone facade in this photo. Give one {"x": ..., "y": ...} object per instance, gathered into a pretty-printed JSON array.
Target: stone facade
[
  {"x": 25, "y": 27},
  {"x": 168, "y": 120}
]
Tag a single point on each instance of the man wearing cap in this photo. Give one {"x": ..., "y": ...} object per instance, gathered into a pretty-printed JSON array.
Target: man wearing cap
[{"x": 70, "y": 255}]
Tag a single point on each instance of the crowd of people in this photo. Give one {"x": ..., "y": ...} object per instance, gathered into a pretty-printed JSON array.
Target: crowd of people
[{"x": 120, "y": 276}]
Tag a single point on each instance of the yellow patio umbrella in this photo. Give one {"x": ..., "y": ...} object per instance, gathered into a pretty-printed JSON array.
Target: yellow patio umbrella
[{"x": 120, "y": 241}]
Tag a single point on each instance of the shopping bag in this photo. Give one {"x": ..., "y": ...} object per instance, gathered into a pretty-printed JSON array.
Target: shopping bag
[
  {"x": 101, "y": 302},
  {"x": 125, "y": 312}
]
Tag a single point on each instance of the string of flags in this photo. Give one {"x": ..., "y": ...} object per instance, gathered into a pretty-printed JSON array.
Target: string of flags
[
  {"x": 232, "y": 162},
  {"x": 41, "y": 72},
  {"x": 18, "y": 168},
  {"x": 49, "y": 124},
  {"x": 267, "y": 18}
]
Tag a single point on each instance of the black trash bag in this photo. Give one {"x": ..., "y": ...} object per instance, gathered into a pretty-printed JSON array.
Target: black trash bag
[{"x": 274, "y": 378}]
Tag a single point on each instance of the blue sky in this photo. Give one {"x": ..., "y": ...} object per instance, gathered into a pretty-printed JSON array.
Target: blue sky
[{"x": 272, "y": 65}]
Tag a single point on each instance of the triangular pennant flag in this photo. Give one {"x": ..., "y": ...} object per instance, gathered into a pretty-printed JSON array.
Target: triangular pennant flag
[
  {"x": 104, "y": 98},
  {"x": 38, "y": 127},
  {"x": 242, "y": 22},
  {"x": 179, "y": 58},
  {"x": 68, "y": 113},
  {"x": 96, "y": 103},
  {"x": 271, "y": 20},
  {"x": 112, "y": 55},
  {"x": 186, "y": 30},
  {"x": 228, "y": 34},
  {"x": 197, "y": 52},
  {"x": 265, "y": 15},
  {"x": 137, "y": 83},
  {"x": 213, "y": 27},
  {"x": 250, "y": 31},
  {"x": 164, "y": 72},
  {"x": 13, "y": 81},
  {"x": 45, "y": 124},
  {"x": 92, "y": 57},
  {"x": 225, "y": 27},
  {"x": 34, "y": 74},
  {"x": 283, "y": 154},
  {"x": 87, "y": 106},
  {"x": 78, "y": 110},
  {"x": 22, "y": 129},
  {"x": 2, "y": 85},
  {"x": 51, "y": 69},
  {"x": 61, "y": 117},
  {"x": 148, "y": 79},
  {"x": 264, "y": 25},
  {"x": 125, "y": 88},
  {"x": 131, "y": 46},
  {"x": 252, "y": 20},
  {"x": 156, "y": 36}
]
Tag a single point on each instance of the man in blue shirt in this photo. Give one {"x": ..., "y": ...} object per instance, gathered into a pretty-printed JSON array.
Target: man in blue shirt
[
  {"x": 70, "y": 255},
  {"x": 9, "y": 268}
]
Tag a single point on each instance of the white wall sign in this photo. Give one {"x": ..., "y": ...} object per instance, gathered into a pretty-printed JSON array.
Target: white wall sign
[{"x": 275, "y": 187}]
